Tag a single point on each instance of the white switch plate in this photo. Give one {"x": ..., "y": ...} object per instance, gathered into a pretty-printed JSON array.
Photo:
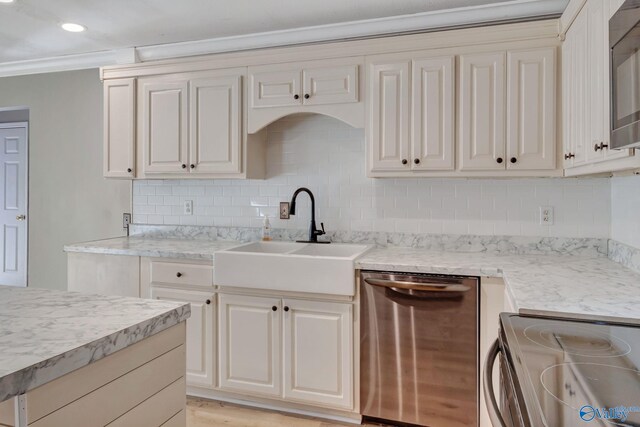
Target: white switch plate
[
  {"x": 188, "y": 207},
  {"x": 546, "y": 215}
]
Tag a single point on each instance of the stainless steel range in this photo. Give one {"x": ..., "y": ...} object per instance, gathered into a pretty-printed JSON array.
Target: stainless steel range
[{"x": 559, "y": 373}]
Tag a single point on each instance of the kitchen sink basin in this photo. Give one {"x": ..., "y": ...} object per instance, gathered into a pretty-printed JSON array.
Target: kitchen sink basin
[{"x": 288, "y": 266}]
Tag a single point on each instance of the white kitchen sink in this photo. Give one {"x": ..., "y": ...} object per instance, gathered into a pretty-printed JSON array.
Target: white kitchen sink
[{"x": 288, "y": 266}]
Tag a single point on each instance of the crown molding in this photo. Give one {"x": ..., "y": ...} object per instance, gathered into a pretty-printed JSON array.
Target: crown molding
[{"x": 419, "y": 22}]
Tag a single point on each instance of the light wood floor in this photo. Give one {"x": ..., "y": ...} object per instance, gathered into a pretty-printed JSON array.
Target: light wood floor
[{"x": 209, "y": 413}]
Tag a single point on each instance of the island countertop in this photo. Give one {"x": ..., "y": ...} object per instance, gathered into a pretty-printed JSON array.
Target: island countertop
[{"x": 46, "y": 334}]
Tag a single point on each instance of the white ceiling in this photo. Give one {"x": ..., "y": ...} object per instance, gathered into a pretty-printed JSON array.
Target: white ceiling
[{"x": 29, "y": 29}]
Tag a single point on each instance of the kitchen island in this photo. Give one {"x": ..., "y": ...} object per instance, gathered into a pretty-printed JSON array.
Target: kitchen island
[{"x": 82, "y": 360}]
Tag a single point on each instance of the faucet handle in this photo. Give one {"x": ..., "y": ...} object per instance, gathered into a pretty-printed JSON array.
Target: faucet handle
[{"x": 320, "y": 233}]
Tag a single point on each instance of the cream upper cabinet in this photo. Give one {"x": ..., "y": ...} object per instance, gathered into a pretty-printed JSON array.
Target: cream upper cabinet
[
  {"x": 586, "y": 94},
  {"x": 482, "y": 111},
  {"x": 388, "y": 129},
  {"x": 332, "y": 87},
  {"x": 164, "y": 125},
  {"x": 250, "y": 344},
  {"x": 531, "y": 109},
  {"x": 200, "y": 332},
  {"x": 119, "y": 128},
  {"x": 275, "y": 88},
  {"x": 215, "y": 118},
  {"x": 433, "y": 114},
  {"x": 318, "y": 334}
]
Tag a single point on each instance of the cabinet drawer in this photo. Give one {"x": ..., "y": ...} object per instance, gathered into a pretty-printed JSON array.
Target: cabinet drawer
[{"x": 177, "y": 273}]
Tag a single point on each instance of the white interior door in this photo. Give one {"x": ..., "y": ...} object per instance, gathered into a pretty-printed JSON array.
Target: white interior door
[{"x": 13, "y": 217}]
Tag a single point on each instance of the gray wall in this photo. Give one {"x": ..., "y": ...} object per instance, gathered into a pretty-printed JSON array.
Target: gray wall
[{"x": 69, "y": 200}]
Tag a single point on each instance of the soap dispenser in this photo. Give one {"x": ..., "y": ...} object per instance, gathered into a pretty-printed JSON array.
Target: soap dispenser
[{"x": 266, "y": 229}]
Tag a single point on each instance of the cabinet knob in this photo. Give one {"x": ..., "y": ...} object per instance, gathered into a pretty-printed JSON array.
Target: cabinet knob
[
  {"x": 513, "y": 160},
  {"x": 404, "y": 161},
  {"x": 178, "y": 274},
  {"x": 129, "y": 170},
  {"x": 208, "y": 302},
  {"x": 569, "y": 156},
  {"x": 184, "y": 166},
  {"x": 596, "y": 147},
  {"x": 499, "y": 160},
  {"x": 416, "y": 161},
  {"x": 286, "y": 308},
  {"x": 306, "y": 96},
  {"x": 192, "y": 166},
  {"x": 296, "y": 96},
  {"x": 274, "y": 308}
]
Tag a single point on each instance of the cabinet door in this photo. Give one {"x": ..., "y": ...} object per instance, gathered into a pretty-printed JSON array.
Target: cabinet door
[
  {"x": 567, "y": 103},
  {"x": 119, "y": 128},
  {"x": 482, "y": 112},
  {"x": 200, "y": 332},
  {"x": 275, "y": 88},
  {"x": 579, "y": 82},
  {"x": 250, "y": 358},
  {"x": 215, "y": 117},
  {"x": 531, "y": 109},
  {"x": 164, "y": 126},
  {"x": 433, "y": 114},
  {"x": 388, "y": 132},
  {"x": 318, "y": 360},
  {"x": 330, "y": 85}
]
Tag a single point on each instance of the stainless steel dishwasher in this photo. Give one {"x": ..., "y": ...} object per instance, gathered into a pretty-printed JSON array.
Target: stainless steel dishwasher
[{"x": 419, "y": 349}]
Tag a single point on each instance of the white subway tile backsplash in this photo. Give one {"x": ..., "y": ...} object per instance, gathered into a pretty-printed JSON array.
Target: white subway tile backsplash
[{"x": 329, "y": 157}]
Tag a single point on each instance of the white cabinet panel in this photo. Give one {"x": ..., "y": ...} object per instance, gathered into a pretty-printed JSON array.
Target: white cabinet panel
[
  {"x": 579, "y": 89},
  {"x": 330, "y": 85},
  {"x": 318, "y": 356},
  {"x": 164, "y": 121},
  {"x": 216, "y": 126},
  {"x": 119, "y": 99},
  {"x": 432, "y": 142},
  {"x": 482, "y": 111},
  {"x": 388, "y": 129},
  {"x": 200, "y": 332},
  {"x": 250, "y": 353},
  {"x": 275, "y": 88},
  {"x": 531, "y": 112}
]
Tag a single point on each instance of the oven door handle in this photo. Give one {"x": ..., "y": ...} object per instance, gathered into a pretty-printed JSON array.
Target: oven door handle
[
  {"x": 489, "y": 395},
  {"x": 415, "y": 286}
]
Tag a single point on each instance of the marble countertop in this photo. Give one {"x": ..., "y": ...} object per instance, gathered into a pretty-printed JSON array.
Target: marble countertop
[
  {"x": 572, "y": 286},
  {"x": 46, "y": 334},
  {"x": 154, "y": 247}
]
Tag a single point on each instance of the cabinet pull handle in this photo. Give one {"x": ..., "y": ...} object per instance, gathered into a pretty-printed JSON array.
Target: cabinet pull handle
[
  {"x": 192, "y": 166},
  {"x": 208, "y": 302},
  {"x": 296, "y": 96},
  {"x": 404, "y": 161},
  {"x": 499, "y": 160},
  {"x": 306, "y": 96},
  {"x": 596, "y": 147},
  {"x": 416, "y": 161},
  {"x": 286, "y": 308},
  {"x": 178, "y": 274},
  {"x": 184, "y": 166},
  {"x": 129, "y": 170},
  {"x": 274, "y": 308},
  {"x": 513, "y": 160}
]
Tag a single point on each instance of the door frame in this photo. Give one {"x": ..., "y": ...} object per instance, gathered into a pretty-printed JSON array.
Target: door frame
[{"x": 24, "y": 125}]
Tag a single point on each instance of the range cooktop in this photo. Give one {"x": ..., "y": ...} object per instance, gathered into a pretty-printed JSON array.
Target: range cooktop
[{"x": 571, "y": 372}]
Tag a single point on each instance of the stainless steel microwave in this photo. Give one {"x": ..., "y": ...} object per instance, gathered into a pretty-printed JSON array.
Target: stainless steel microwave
[{"x": 624, "y": 41}]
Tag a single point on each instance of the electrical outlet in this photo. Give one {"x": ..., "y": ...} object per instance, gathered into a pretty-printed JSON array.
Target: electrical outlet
[
  {"x": 187, "y": 208},
  {"x": 546, "y": 215},
  {"x": 284, "y": 210},
  {"x": 126, "y": 220}
]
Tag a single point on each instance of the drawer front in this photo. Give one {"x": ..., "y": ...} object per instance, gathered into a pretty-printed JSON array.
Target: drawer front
[{"x": 178, "y": 273}]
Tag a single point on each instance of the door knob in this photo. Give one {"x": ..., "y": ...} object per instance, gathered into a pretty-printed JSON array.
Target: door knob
[{"x": 21, "y": 217}]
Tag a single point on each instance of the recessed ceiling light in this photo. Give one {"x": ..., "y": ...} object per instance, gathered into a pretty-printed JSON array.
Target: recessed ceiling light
[
  {"x": 7, "y": 1},
  {"x": 71, "y": 27}
]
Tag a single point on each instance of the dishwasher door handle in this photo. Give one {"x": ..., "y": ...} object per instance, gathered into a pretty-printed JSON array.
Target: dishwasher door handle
[
  {"x": 415, "y": 286},
  {"x": 489, "y": 395}
]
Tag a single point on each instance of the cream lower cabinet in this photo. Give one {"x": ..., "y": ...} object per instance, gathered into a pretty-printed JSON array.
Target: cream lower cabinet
[
  {"x": 201, "y": 327},
  {"x": 310, "y": 342}
]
